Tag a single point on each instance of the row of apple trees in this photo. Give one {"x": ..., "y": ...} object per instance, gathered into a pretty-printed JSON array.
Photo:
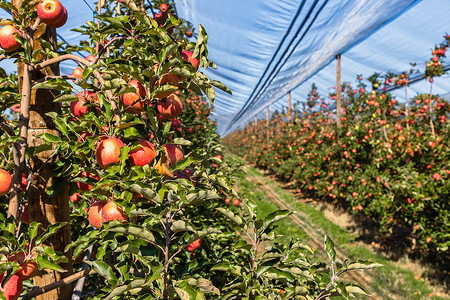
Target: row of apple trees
[{"x": 389, "y": 160}]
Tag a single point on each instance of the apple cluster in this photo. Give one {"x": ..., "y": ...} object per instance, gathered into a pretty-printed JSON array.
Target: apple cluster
[{"x": 50, "y": 12}]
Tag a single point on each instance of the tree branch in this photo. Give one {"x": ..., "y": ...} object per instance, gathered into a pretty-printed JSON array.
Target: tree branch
[{"x": 36, "y": 291}]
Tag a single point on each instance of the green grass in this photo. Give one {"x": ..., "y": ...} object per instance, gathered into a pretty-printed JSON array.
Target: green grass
[{"x": 388, "y": 282}]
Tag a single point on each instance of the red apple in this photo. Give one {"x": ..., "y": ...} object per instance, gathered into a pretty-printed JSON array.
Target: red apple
[
  {"x": 84, "y": 186},
  {"x": 27, "y": 268},
  {"x": 227, "y": 200},
  {"x": 50, "y": 12},
  {"x": 143, "y": 155},
  {"x": 78, "y": 73},
  {"x": 63, "y": 20},
  {"x": 194, "y": 245},
  {"x": 236, "y": 202},
  {"x": 78, "y": 109},
  {"x": 129, "y": 98},
  {"x": 8, "y": 39},
  {"x": 16, "y": 108},
  {"x": 12, "y": 288},
  {"x": 187, "y": 56},
  {"x": 171, "y": 107},
  {"x": 107, "y": 152},
  {"x": 174, "y": 153},
  {"x": 95, "y": 214},
  {"x": 189, "y": 33},
  {"x": 90, "y": 58},
  {"x": 163, "y": 7},
  {"x": 113, "y": 212},
  {"x": 5, "y": 182},
  {"x": 75, "y": 198},
  {"x": 175, "y": 124}
]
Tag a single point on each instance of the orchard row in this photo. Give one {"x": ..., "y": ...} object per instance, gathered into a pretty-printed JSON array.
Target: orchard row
[{"x": 388, "y": 160}]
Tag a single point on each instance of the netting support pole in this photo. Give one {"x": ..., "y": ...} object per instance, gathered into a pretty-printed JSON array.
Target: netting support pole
[
  {"x": 338, "y": 89},
  {"x": 267, "y": 115},
  {"x": 289, "y": 107}
]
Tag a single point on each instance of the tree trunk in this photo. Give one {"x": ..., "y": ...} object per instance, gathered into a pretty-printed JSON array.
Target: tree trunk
[{"x": 42, "y": 208}]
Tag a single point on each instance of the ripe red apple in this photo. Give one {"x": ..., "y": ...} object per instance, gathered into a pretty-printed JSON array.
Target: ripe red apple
[
  {"x": 78, "y": 108},
  {"x": 27, "y": 268},
  {"x": 95, "y": 214},
  {"x": 63, "y": 20},
  {"x": 12, "y": 288},
  {"x": 175, "y": 124},
  {"x": 107, "y": 152},
  {"x": 90, "y": 58},
  {"x": 5, "y": 182},
  {"x": 194, "y": 245},
  {"x": 174, "y": 153},
  {"x": 227, "y": 200},
  {"x": 78, "y": 72},
  {"x": 16, "y": 108},
  {"x": 171, "y": 107},
  {"x": 129, "y": 98},
  {"x": 84, "y": 186},
  {"x": 189, "y": 33},
  {"x": 50, "y": 12},
  {"x": 8, "y": 39},
  {"x": 143, "y": 155},
  {"x": 163, "y": 7},
  {"x": 113, "y": 212},
  {"x": 187, "y": 56},
  {"x": 236, "y": 202},
  {"x": 75, "y": 198}
]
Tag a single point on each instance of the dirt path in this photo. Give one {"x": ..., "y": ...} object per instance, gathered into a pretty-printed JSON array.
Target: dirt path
[{"x": 316, "y": 233}]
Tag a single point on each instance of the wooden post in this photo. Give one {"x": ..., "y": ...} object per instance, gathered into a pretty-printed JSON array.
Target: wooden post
[
  {"x": 289, "y": 107},
  {"x": 43, "y": 209},
  {"x": 267, "y": 115},
  {"x": 338, "y": 89},
  {"x": 256, "y": 120}
]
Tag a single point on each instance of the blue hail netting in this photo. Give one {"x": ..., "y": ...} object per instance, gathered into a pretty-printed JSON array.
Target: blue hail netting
[{"x": 264, "y": 48}]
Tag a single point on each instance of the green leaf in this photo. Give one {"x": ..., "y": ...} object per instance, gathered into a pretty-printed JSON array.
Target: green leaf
[
  {"x": 200, "y": 197},
  {"x": 206, "y": 286},
  {"x": 104, "y": 270},
  {"x": 50, "y": 138},
  {"x": 228, "y": 268},
  {"x": 145, "y": 190},
  {"x": 274, "y": 273},
  {"x": 355, "y": 289},
  {"x": 65, "y": 98},
  {"x": 44, "y": 262},
  {"x": 181, "y": 141},
  {"x": 185, "y": 291},
  {"x": 51, "y": 230},
  {"x": 235, "y": 218},
  {"x": 329, "y": 247},
  {"x": 120, "y": 290},
  {"x": 33, "y": 229},
  {"x": 131, "y": 229},
  {"x": 181, "y": 225},
  {"x": 363, "y": 265},
  {"x": 221, "y": 86},
  {"x": 272, "y": 218}
]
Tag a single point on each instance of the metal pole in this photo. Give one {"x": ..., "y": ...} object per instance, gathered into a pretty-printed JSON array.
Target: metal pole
[{"x": 338, "y": 89}]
